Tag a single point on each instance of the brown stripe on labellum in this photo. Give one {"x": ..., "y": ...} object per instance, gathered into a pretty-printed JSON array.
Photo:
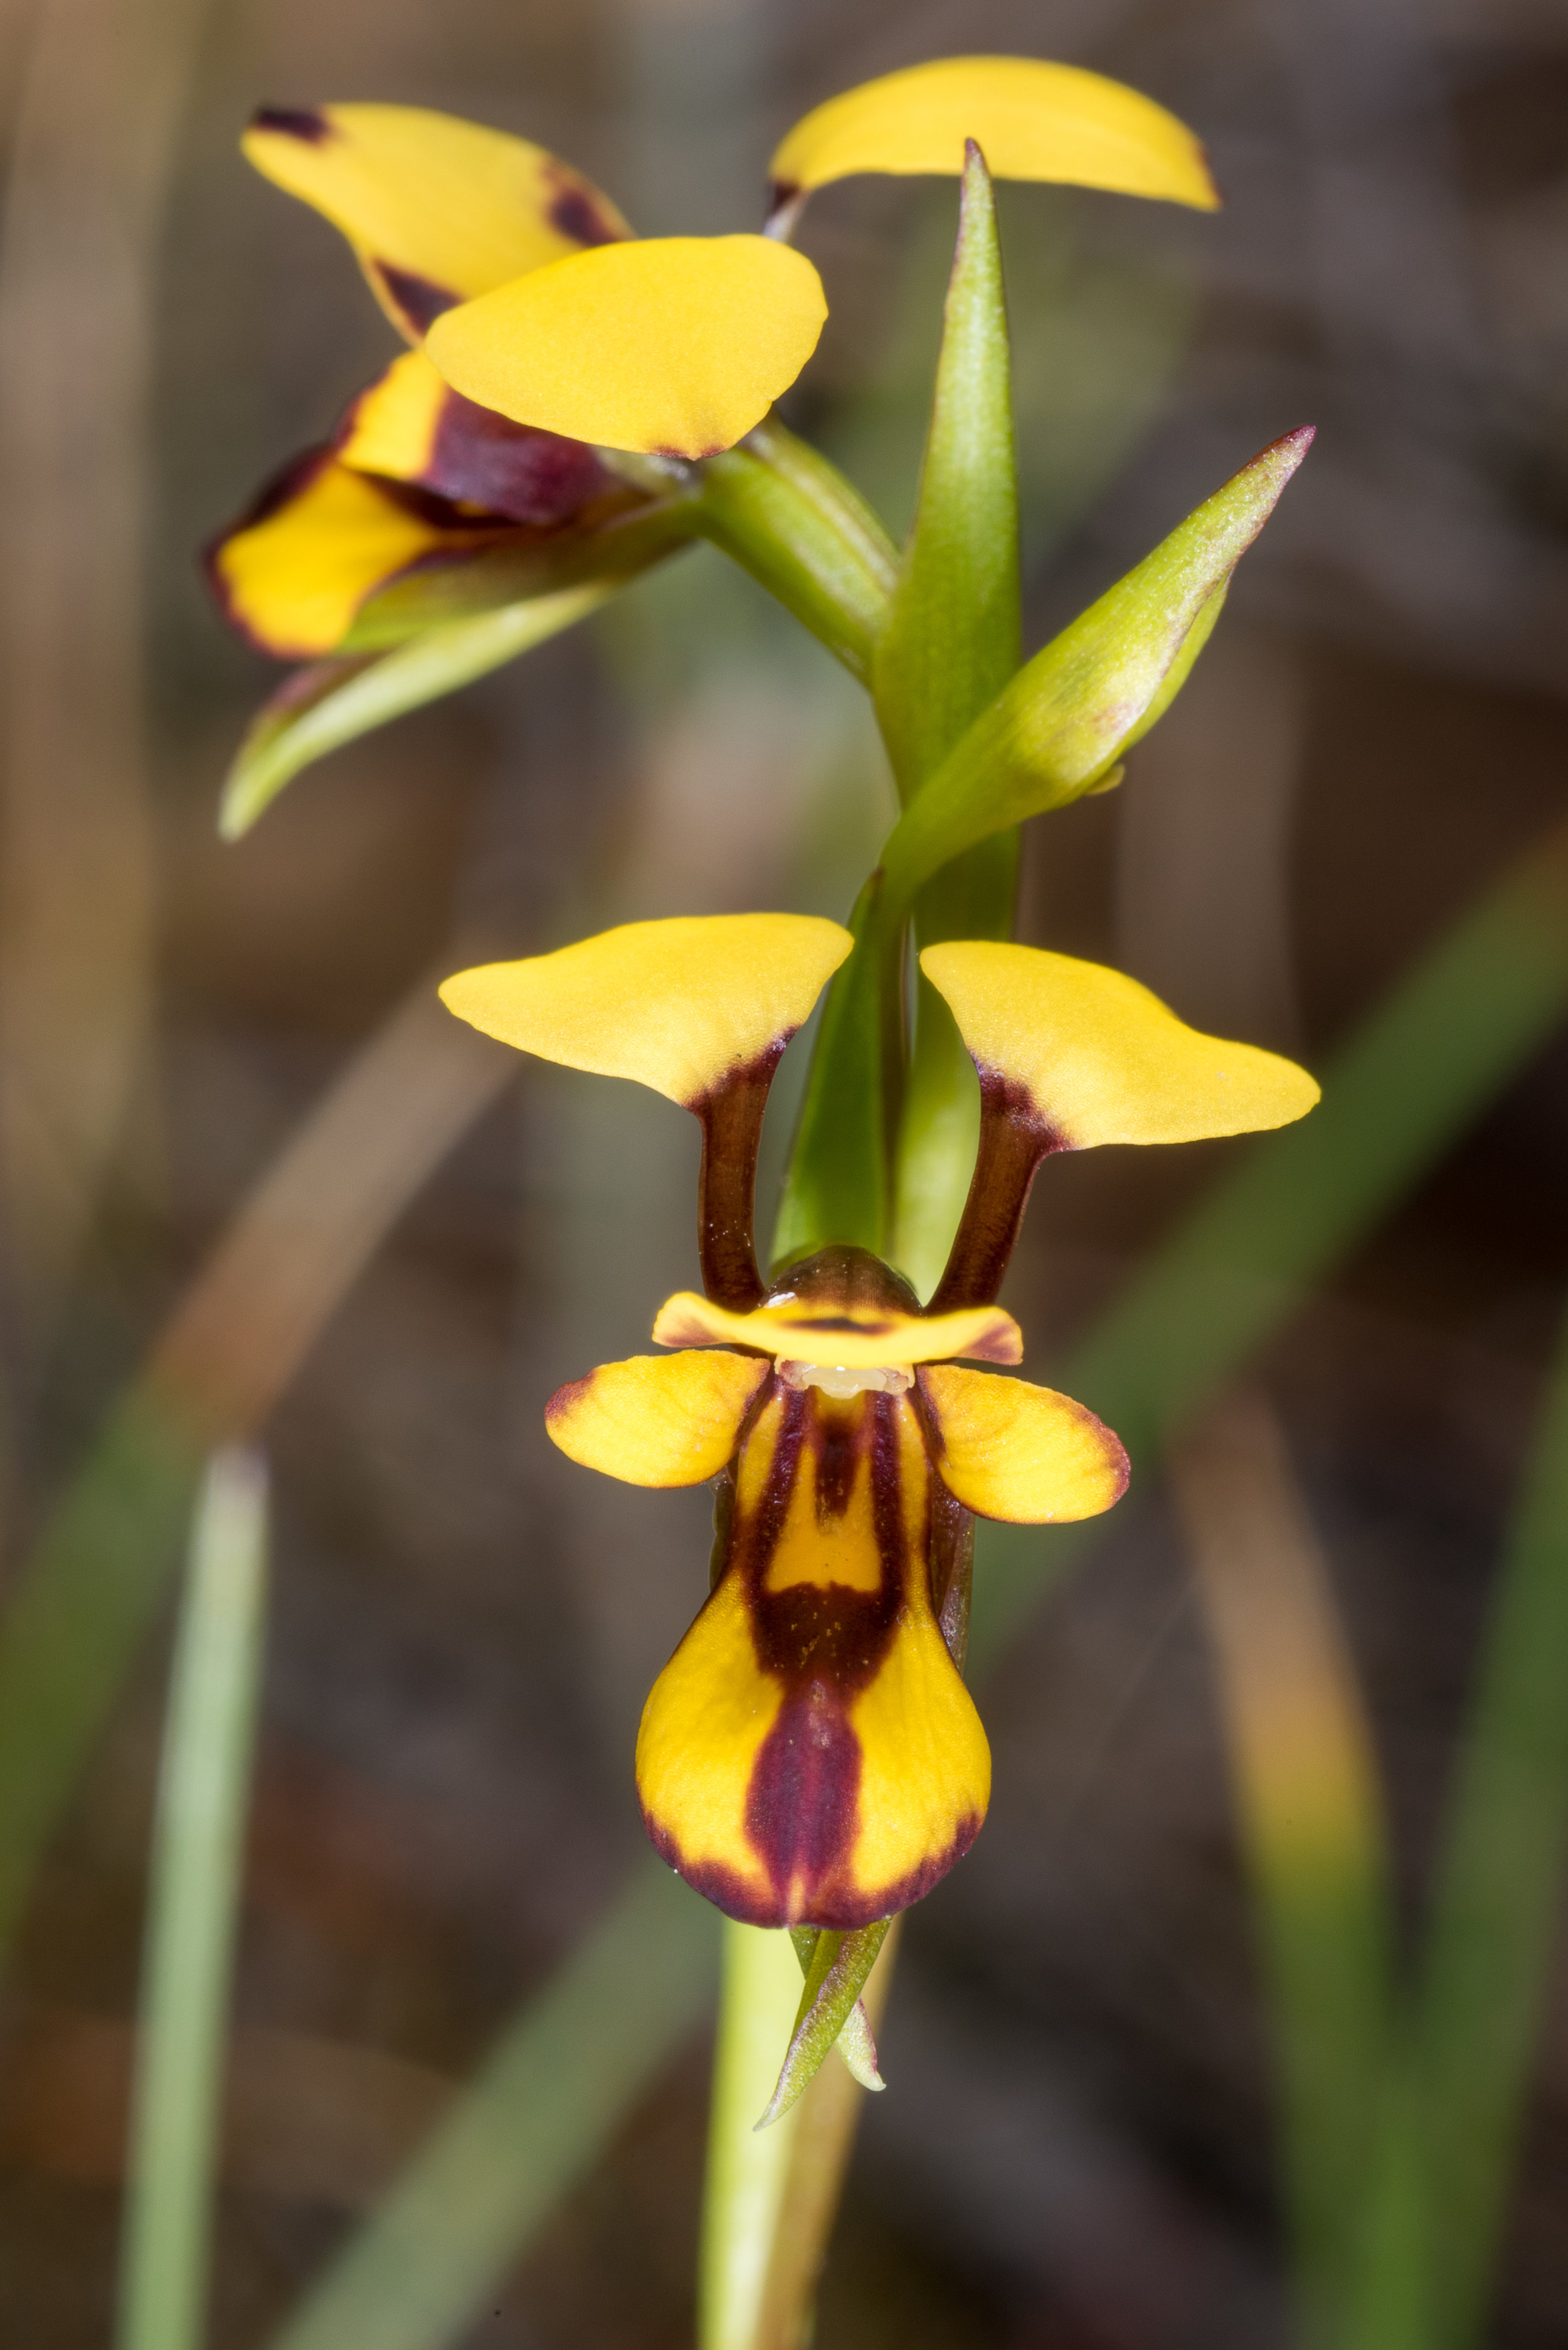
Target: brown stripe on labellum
[
  {"x": 419, "y": 301},
  {"x": 305, "y": 123},
  {"x": 1014, "y": 1137},
  {"x": 826, "y": 1643},
  {"x": 731, "y": 1114}
]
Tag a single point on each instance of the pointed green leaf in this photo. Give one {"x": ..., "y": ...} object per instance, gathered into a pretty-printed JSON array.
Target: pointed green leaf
[
  {"x": 1066, "y": 717},
  {"x": 950, "y": 645},
  {"x": 840, "y": 1966},
  {"x": 856, "y": 2042},
  {"x": 320, "y": 708},
  {"x": 951, "y": 640}
]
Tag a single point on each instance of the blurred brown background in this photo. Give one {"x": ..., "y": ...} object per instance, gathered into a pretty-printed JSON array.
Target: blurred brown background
[{"x": 1075, "y": 2153}]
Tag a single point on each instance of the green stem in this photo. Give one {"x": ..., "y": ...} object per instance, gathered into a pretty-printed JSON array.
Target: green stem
[
  {"x": 972, "y": 898},
  {"x": 191, "y": 1919},
  {"x": 790, "y": 518},
  {"x": 748, "y": 2168},
  {"x": 839, "y": 1186}
]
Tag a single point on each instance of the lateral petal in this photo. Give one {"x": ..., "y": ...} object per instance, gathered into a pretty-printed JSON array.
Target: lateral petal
[
  {"x": 679, "y": 1004},
  {"x": 1098, "y": 1057},
  {"x": 1032, "y": 121},
  {"x": 320, "y": 540},
  {"x": 1008, "y": 1449},
  {"x": 859, "y": 1337},
  {"x": 673, "y": 345},
  {"x": 657, "y": 1420},
  {"x": 437, "y": 210},
  {"x": 411, "y": 426}
]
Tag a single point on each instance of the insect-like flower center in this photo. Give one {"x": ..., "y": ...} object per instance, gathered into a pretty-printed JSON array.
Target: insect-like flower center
[{"x": 836, "y": 1380}]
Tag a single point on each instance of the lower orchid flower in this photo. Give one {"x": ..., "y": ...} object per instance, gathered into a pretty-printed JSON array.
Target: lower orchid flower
[{"x": 810, "y": 1755}]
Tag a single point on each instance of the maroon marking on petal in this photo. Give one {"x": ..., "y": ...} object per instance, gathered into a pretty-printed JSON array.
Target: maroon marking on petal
[
  {"x": 839, "y": 1910},
  {"x": 486, "y": 459},
  {"x": 305, "y": 123},
  {"x": 1014, "y": 1137},
  {"x": 417, "y": 299},
  {"x": 567, "y": 1398},
  {"x": 732, "y": 1117},
  {"x": 573, "y": 210},
  {"x": 824, "y": 1643}
]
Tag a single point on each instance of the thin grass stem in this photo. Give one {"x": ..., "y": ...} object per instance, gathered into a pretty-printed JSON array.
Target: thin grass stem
[{"x": 198, "y": 1844}]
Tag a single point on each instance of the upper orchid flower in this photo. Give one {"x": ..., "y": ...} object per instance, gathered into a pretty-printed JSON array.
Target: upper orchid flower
[
  {"x": 810, "y": 1754},
  {"x": 495, "y": 465}
]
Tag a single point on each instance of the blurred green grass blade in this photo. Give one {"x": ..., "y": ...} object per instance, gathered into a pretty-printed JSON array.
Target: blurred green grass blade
[
  {"x": 1423, "y": 1065},
  {"x": 1311, "y": 1823},
  {"x": 192, "y": 1900},
  {"x": 531, "y": 2125},
  {"x": 86, "y": 1601},
  {"x": 1495, "y": 1917},
  {"x": 320, "y": 708}
]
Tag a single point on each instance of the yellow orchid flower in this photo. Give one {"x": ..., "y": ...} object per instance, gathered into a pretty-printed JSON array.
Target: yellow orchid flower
[
  {"x": 466, "y": 477},
  {"x": 810, "y": 1754}
]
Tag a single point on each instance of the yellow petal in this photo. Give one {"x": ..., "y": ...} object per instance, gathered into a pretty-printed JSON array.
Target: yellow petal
[
  {"x": 810, "y": 1754},
  {"x": 436, "y": 209},
  {"x": 1101, "y": 1059},
  {"x": 856, "y": 1338},
  {"x": 322, "y": 539},
  {"x": 657, "y": 1420},
  {"x": 925, "y": 1770},
  {"x": 707, "y": 1717},
  {"x": 1032, "y": 121},
  {"x": 677, "y": 1004},
  {"x": 678, "y": 344},
  {"x": 1008, "y": 1449},
  {"x": 411, "y": 426}
]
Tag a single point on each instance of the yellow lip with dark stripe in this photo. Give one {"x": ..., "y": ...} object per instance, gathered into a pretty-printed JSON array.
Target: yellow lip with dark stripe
[{"x": 810, "y": 1752}]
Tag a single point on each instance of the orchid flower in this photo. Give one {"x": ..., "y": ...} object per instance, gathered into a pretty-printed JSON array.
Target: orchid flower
[
  {"x": 577, "y": 403},
  {"x": 810, "y": 1755},
  {"x": 550, "y": 432}
]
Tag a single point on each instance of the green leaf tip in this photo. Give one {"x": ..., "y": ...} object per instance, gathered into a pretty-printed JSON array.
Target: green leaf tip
[
  {"x": 829, "y": 2008},
  {"x": 953, "y": 635},
  {"x": 1067, "y": 718}
]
